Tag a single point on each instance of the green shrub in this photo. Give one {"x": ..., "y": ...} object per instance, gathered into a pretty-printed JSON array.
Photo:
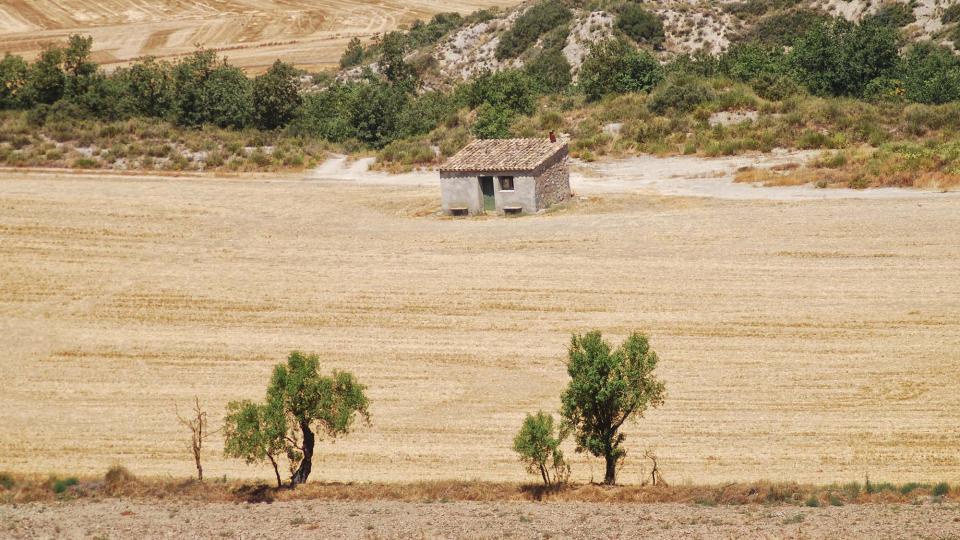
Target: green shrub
[
  {"x": 893, "y": 14},
  {"x": 941, "y": 489},
  {"x": 681, "y": 94},
  {"x": 527, "y": 29},
  {"x": 951, "y": 14},
  {"x": 550, "y": 71},
  {"x": 930, "y": 74},
  {"x": 352, "y": 55},
  {"x": 85, "y": 163},
  {"x": 909, "y": 487},
  {"x": 841, "y": 58},
  {"x": 260, "y": 158},
  {"x": 812, "y": 502},
  {"x": 492, "y": 122},
  {"x": 7, "y": 481},
  {"x": 407, "y": 152},
  {"x": 640, "y": 25},
  {"x": 61, "y": 485},
  {"x": 275, "y": 96},
  {"x": 509, "y": 89},
  {"x": 782, "y": 28},
  {"x": 745, "y": 62},
  {"x": 775, "y": 87},
  {"x": 538, "y": 446},
  {"x": 614, "y": 67}
]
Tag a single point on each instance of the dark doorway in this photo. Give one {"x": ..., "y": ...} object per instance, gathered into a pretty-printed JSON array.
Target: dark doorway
[{"x": 486, "y": 187}]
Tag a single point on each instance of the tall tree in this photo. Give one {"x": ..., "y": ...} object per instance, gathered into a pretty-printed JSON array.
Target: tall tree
[
  {"x": 608, "y": 387},
  {"x": 45, "y": 78},
  {"x": 301, "y": 403},
  {"x": 276, "y": 96},
  {"x": 314, "y": 403},
  {"x": 13, "y": 77}
]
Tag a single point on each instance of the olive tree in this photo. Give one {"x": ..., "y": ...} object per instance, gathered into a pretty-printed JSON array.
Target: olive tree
[
  {"x": 608, "y": 387},
  {"x": 255, "y": 432},
  {"x": 300, "y": 404},
  {"x": 538, "y": 445}
]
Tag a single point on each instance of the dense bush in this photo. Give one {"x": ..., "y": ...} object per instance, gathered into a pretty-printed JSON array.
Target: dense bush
[
  {"x": 640, "y": 25},
  {"x": 492, "y": 122},
  {"x": 614, "y": 67},
  {"x": 782, "y": 28},
  {"x": 550, "y": 71},
  {"x": 527, "y": 29},
  {"x": 745, "y": 62},
  {"x": 681, "y": 94},
  {"x": 352, "y": 55},
  {"x": 756, "y": 8},
  {"x": 276, "y": 96},
  {"x": 841, "y": 58},
  {"x": 951, "y": 14},
  {"x": 510, "y": 89},
  {"x": 930, "y": 74},
  {"x": 893, "y": 14},
  {"x": 13, "y": 78}
]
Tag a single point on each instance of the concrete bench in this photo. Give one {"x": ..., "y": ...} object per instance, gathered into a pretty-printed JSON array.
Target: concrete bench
[{"x": 512, "y": 210}]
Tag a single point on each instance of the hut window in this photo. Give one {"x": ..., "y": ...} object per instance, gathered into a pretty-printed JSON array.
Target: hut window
[{"x": 506, "y": 183}]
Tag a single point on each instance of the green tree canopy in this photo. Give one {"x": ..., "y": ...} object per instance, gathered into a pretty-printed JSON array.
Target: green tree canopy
[
  {"x": 352, "y": 55},
  {"x": 615, "y": 67},
  {"x": 276, "y": 96},
  {"x": 255, "y": 433},
  {"x": 300, "y": 403},
  {"x": 840, "y": 58},
  {"x": 538, "y": 446},
  {"x": 13, "y": 78},
  {"x": 930, "y": 74},
  {"x": 640, "y": 25},
  {"x": 45, "y": 78},
  {"x": 607, "y": 387}
]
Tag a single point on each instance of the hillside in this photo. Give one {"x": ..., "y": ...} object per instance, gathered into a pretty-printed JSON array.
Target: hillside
[
  {"x": 688, "y": 27},
  {"x": 255, "y": 33}
]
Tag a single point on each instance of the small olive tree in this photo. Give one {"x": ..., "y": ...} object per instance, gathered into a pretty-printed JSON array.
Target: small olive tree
[
  {"x": 300, "y": 403},
  {"x": 538, "y": 445},
  {"x": 255, "y": 433},
  {"x": 606, "y": 388}
]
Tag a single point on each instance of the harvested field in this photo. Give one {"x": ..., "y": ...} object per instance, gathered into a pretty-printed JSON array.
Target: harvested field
[
  {"x": 252, "y": 34},
  {"x": 815, "y": 340},
  {"x": 384, "y": 519}
]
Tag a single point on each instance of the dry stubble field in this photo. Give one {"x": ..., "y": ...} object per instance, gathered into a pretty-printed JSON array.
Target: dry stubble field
[
  {"x": 252, "y": 33},
  {"x": 814, "y": 341}
]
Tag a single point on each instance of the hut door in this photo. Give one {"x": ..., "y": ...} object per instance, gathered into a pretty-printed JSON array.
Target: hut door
[{"x": 486, "y": 187}]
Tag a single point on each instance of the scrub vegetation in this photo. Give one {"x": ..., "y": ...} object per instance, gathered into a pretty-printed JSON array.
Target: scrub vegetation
[{"x": 797, "y": 79}]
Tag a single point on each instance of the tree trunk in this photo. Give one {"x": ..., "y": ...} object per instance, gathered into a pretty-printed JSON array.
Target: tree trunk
[
  {"x": 610, "y": 478},
  {"x": 276, "y": 470},
  {"x": 303, "y": 472}
]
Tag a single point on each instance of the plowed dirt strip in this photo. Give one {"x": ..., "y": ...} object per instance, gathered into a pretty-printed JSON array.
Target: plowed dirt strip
[
  {"x": 376, "y": 519},
  {"x": 815, "y": 341}
]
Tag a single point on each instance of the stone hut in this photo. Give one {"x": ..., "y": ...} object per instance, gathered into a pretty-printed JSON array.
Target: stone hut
[{"x": 506, "y": 176}]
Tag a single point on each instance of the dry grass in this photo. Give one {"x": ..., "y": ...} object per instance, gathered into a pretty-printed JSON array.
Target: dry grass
[
  {"x": 805, "y": 341},
  {"x": 121, "y": 483}
]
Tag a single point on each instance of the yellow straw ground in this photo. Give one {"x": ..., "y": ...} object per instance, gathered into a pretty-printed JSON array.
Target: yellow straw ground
[{"x": 811, "y": 341}]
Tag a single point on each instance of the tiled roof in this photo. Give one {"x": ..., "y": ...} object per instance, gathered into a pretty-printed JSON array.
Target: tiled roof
[{"x": 495, "y": 155}]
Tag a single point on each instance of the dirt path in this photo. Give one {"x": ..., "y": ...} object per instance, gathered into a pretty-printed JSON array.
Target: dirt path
[
  {"x": 684, "y": 176},
  {"x": 387, "y": 519}
]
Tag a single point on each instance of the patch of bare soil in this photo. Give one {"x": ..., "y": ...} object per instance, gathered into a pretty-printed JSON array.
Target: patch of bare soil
[{"x": 461, "y": 519}]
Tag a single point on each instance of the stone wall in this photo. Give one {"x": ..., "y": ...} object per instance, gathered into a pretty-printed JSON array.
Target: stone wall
[{"x": 553, "y": 185}]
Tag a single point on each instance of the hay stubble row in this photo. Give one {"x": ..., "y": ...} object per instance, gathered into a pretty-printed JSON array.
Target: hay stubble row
[{"x": 813, "y": 341}]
